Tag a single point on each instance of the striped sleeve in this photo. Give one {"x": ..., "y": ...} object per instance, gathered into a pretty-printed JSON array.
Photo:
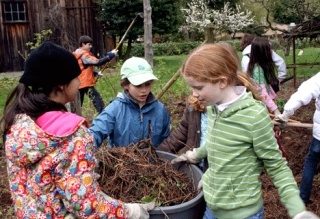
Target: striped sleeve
[{"x": 267, "y": 149}]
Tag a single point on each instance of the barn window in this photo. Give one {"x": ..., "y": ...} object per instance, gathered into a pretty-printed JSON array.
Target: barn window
[{"x": 14, "y": 12}]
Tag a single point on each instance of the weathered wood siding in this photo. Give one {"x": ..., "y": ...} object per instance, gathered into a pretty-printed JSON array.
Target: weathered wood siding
[{"x": 68, "y": 19}]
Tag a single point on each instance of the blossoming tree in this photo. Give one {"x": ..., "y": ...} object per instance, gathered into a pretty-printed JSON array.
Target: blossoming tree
[{"x": 215, "y": 22}]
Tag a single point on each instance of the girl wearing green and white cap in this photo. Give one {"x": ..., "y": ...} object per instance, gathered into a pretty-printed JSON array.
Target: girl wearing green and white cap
[{"x": 135, "y": 113}]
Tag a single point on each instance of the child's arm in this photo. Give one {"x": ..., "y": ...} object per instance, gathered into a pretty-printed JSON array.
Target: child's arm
[
  {"x": 166, "y": 124},
  {"x": 177, "y": 138},
  {"x": 89, "y": 59},
  {"x": 103, "y": 125},
  {"x": 308, "y": 90},
  {"x": 77, "y": 182},
  {"x": 244, "y": 63},
  {"x": 281, "y": 64},
  {"x": 267, "y": 150},
  {"x": 266, "y": 98}
]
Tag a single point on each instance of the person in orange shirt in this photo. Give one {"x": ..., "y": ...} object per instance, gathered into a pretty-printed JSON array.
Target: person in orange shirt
[{"x": 87, "y": 61}]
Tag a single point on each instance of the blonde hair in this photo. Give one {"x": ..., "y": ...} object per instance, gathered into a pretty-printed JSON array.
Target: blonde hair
[{"x": 211, "y": 62}]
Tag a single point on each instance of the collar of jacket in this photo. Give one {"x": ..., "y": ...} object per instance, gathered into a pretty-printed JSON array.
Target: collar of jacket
[
  {"x": 125, "y": 97},
  {"x": 245, "y": 102}
]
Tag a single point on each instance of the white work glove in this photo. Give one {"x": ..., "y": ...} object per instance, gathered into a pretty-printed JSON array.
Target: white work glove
[
  {"x": 114, "y": 51},
  {"x": 138, "y": 211},
  {"x": 282, "y": 117},
  {"x": 70, "y": 216},
  {"x": 199, "y": 187},
  {"x": 189, "y": 156},
  {"x": 306, "y": 215}
]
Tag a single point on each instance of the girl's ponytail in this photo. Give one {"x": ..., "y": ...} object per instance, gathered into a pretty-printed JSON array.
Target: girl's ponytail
[{"x": 250, "y": 84}]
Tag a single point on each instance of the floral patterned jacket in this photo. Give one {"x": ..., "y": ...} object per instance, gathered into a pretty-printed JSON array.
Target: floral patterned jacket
[{"x": 51, "y": 169}]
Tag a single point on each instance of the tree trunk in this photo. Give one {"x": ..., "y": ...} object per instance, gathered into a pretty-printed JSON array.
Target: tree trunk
[
  {"x": 287, "y": 48},
  {"x": 129, "y": 48},
  {"x": 185, "y": 34},
  {"x": 193, "y": 35},
  {"x": 148, "y": 52},
  {"x": 109, "y": 45},
  {"x": 209, "y": 35}
]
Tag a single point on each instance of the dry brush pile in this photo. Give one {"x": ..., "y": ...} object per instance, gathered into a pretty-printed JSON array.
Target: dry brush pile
[{"x": 132, "y": 174}]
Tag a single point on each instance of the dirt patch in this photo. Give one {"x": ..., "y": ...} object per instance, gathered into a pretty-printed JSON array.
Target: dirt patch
[{"x": 295, "y": 142}]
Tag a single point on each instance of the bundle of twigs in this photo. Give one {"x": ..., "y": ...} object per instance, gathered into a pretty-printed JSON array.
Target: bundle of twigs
[{"x": 132, "y": 174}]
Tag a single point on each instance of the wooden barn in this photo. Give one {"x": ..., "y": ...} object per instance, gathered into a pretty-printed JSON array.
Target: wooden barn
[{"x": 20, "y": 20}]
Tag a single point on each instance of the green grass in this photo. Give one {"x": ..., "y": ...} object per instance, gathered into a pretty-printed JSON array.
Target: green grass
[
  {"x": 310, "y": 55},
  {"x": 6, "y": 85}
]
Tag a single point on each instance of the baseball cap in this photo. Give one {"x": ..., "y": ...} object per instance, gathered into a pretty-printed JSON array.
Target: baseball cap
[{"x": 137, "y": 70}]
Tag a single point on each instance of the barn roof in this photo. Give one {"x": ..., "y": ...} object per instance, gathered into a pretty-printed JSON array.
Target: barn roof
[
  {"x": 307, "y": 29},
  {"x": 280, "y": 28}
]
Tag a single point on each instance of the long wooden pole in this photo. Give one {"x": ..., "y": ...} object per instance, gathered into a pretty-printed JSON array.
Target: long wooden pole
[
  {"x": 295, "y": 124},
  {"x": 168, "y": 84},
  {"x": 123, "y": 37}
]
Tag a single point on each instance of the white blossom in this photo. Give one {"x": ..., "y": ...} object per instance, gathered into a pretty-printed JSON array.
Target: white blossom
[{"x": 199, "y": 17}]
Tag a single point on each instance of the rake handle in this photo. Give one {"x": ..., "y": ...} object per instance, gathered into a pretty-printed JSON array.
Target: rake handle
[
  {"x": 122, "y": 38},
  {"x": 295, "y": 124},
  {"x": 289, "y": 120}
]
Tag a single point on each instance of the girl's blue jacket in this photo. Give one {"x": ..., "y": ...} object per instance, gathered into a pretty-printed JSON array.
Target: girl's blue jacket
[{"x": 124, "y": 123}]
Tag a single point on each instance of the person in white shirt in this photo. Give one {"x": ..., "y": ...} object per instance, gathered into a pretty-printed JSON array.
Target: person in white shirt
[
  {"x": 308, "y": 90},
  {"x": 245, "y": 46}
]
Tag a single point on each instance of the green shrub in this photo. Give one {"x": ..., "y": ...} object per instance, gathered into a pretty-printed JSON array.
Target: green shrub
[
  {"x": 172, "y": 48},
  {"x": 306, "y": 43},
  {"x": 164, "y": 49}
]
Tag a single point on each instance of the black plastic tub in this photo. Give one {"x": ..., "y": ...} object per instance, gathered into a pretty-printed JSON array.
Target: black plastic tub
[{"x": 194, "y": 208}]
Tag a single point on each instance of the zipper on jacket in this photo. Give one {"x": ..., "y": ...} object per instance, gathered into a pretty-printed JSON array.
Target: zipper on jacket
[
  {"x": 149, "y": 129},
  {"x": 141, "y": 116}
]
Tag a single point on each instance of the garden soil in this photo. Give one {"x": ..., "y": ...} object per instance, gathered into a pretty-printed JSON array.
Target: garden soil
[{"x": 294, "y": 140}]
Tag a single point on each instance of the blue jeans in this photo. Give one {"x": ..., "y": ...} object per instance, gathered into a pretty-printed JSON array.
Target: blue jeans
[
  {"x": 208, "y": 214},
  {"x": 259, "y": 215},
  {"x": 309, "y": 170}
]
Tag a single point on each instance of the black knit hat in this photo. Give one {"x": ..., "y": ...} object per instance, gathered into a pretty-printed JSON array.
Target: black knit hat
[
  {"x": 85, "y": 40},
  {"x": 50, "y": 65}
]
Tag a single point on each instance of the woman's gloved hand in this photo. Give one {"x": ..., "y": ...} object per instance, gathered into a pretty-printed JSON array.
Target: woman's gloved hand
[
  {"x": 306, "y": 215},
  {"x": 138, "y": 211},
  {"x": 112, "y": 53},
  {"x": 283, "y": 118},
  {"x": 189, "y": 156}
]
